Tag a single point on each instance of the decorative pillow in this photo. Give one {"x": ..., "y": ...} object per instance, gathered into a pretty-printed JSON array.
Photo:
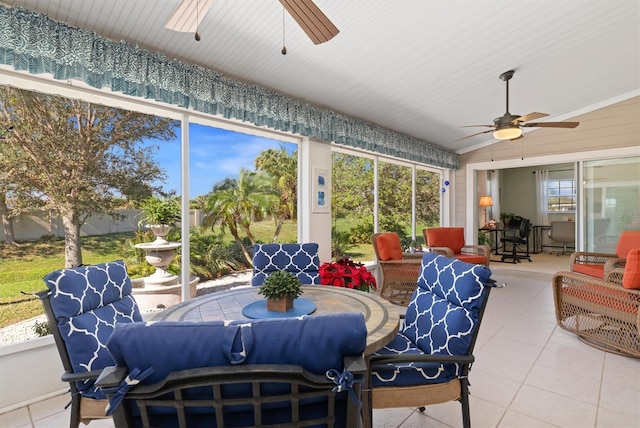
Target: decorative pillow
[
  {"x": 444, "y": 309},
  {"x": 299, "y": 259},
  {"x": 450, "y": 237},
  {"x": 318, "y": 343},
  {"x": 631, "y": 275},
  {"x": 389, "y": 247}
]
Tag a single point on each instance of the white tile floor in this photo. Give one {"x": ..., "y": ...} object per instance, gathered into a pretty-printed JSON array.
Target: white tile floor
[{"x": 528, "y": 372}]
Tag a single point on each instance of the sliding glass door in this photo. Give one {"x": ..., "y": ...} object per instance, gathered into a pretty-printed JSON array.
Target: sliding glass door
[{"x": 611, "y": 201}]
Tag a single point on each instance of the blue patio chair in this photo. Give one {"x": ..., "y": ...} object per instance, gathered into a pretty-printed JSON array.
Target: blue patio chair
[
  {"x": 299, "y": 259},
  {"x": 429, "y": 360},
  {"x": 239, "y": 373},
  {"x": 83, "y": 306}
]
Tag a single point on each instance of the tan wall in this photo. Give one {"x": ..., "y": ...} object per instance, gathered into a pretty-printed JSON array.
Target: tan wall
[
  {"x": 614, "y": 126},
  {"x": 29, "y": 227}
]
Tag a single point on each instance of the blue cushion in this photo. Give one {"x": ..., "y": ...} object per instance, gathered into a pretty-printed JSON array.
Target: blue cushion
[
  {"x": 88, "y": 303},
  {"x": 299, "y": 259},
  {"x": 317, "y": 343},
  {"x": 406, "y": 374},
  {"x": 444, "y": 309}
]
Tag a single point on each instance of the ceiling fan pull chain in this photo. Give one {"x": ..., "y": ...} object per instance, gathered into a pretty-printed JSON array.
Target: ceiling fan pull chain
[
  {"x": 197, "y": 36},
  {"x": 284, "y": 48}
]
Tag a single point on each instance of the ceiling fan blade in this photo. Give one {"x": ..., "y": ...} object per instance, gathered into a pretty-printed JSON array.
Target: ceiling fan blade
[
  {"x": 476, "y": 126},
  {"x": 473, "y": 135},
  {"x": 531, "y": 116},
  {"x": 311, "y": 19},
  {"x": 553, "y": 124},
  {"x": 186, "y": 18}
]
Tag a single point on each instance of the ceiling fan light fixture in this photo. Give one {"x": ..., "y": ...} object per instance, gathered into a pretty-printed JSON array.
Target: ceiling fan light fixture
[{"x": 507, "y": 133}]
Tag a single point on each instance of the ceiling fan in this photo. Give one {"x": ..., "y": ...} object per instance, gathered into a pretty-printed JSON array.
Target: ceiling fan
[
  {"x": 509, "y": 126},
  {"x": 310, "y": 18}
]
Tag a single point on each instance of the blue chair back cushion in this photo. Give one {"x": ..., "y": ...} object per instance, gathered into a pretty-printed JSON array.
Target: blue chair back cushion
[
  {"x": 317, "y": 343},
  {"x": 299, "y": 259},
  {"x": 88, "y": 302},
  {"x": 444, "y": 309},
  {"x": 441, "y": 319}
]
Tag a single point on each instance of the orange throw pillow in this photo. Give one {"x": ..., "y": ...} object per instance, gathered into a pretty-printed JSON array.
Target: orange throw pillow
[
  {"x": 389, "y": 247},
  {"x": 631, "y": 276}
]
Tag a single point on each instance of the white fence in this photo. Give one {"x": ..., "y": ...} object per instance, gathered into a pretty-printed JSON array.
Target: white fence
[{"x": 32, "y": 226}]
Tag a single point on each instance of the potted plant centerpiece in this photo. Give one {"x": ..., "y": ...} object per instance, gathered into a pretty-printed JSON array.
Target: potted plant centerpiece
[
  {"x": 280, "y": 289},
  {"x": 160, "y": 215}
]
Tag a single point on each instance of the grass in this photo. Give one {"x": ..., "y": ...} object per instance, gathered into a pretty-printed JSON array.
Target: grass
[{"x": 23, "y": 266}]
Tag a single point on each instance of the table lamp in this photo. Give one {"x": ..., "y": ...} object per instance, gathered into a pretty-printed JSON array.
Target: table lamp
[{"x": 485, "y": 201}]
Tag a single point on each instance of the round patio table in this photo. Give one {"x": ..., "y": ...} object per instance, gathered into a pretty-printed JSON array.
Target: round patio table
[{"x": 381, "y": 317}]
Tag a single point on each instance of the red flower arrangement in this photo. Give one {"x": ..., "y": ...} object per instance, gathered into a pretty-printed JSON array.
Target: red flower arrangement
[{"x": 347, "y": 273}]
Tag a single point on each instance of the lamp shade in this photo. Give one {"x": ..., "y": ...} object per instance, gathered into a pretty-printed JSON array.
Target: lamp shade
[
  {"x": 486, "y": 201},
  {"x": 507, "y": 133}
]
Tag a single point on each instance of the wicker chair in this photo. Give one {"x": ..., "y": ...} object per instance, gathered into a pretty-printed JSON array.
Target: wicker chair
[
  {"x": 429, "y": 360},
  {"x": 449, "y": 241},
  {"x": 82, "y": 306},
  {"x": 602, "y": 312},
  {"x": 599, "y": 265},
  {"x": 265, "y": 372},
  {"x": 399, "y": 270}
]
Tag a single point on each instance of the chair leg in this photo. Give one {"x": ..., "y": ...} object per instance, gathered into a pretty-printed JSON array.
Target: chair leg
[
  {"x": 464, "y": 401},
  {"x": 75, "y": 411}
]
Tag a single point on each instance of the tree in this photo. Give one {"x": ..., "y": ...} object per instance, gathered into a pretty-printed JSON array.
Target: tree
[
  {"x": 236, "y": 207},
  {"x": 78, "y": 158},
  {"x": 282, "y": 167}
]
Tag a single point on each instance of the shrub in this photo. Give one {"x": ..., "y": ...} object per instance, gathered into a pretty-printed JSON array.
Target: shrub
[
  {"x": 42, "y": 328},
  {"x": 281, "y": 283}
]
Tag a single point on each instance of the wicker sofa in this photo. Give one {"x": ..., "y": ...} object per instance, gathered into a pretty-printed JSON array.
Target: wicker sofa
[{"x": 603, "y": 312}]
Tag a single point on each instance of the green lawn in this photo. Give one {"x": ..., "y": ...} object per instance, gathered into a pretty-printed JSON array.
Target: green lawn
[{"x": 23, "y": 266}]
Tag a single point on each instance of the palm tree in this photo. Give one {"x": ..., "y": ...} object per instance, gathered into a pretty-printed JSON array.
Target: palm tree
[
  {"x": 236, "y": 207},
  {"x": 283, "y": 168}
]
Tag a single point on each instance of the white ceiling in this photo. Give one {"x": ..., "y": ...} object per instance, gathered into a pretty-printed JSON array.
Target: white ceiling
[{"x": 420, "y": 67}]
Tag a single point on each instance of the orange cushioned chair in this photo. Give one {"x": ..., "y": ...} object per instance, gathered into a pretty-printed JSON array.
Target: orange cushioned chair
[
  {"x": 399, "y": 271},
  {"x": 449, "y": 241},
  {"x": 600, "y": 264},
  {"x": 604, "y": 313}
]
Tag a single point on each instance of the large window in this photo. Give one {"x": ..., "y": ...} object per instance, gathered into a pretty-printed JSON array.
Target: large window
[{"x": 561, "y": 195}]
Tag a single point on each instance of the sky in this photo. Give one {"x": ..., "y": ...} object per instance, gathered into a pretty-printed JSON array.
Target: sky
[{"x": 213, "y": 155}]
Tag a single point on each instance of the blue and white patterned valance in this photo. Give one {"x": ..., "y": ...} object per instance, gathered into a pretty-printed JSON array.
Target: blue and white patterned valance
[{"x": 34, "y": 42}]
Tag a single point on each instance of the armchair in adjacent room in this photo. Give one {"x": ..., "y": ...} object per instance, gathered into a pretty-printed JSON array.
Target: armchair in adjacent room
[
  {"x": 429, "y": 360},
  {"x": 449, "y": 241},
  {"x": 399, "y": 270},
  {"x": 306, "y": 371},
  {"x": 83, "y": 306},
  {"x": 563, "y": 232},
  {"x": 300, "y": 260}
]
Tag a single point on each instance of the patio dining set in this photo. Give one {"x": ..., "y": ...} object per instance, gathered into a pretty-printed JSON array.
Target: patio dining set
[{"x": 204, "y": 362}]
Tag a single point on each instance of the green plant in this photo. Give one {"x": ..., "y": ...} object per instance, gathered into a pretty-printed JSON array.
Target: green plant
[
  {"x": 506, "y": 218},
  {"x": 281, "y": 283},
  {"x": 42, "y": 328},
  {"x": 340, "y": 243},
  {"x": 160, "y": 211}
]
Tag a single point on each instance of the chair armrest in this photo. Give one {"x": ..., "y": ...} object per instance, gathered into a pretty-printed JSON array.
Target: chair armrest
[
  {"x": 613, "y": 263},
  {"x": 75, "y": 377},
  {"x": 444, "y": 251},
  {"x": 583, "y": 257},
  {"x": 481, "y": 250},
  {"x": 614, "y": 275},
  {"x": 586, "y": 282},
  {"x": 378, "y": 360},
  {"x": 412, "y": 256},
  {"x": 111, "y": 376}
]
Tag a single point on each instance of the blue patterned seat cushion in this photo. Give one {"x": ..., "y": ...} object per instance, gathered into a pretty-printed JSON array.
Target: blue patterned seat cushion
[
  {"x": 299, "y": 259},
  {"x": 440, "y": 320},
  {"x": 88, "y": 302},
  {"x": 407, "y": 374},
  {"x": 171, "y": 346}
]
